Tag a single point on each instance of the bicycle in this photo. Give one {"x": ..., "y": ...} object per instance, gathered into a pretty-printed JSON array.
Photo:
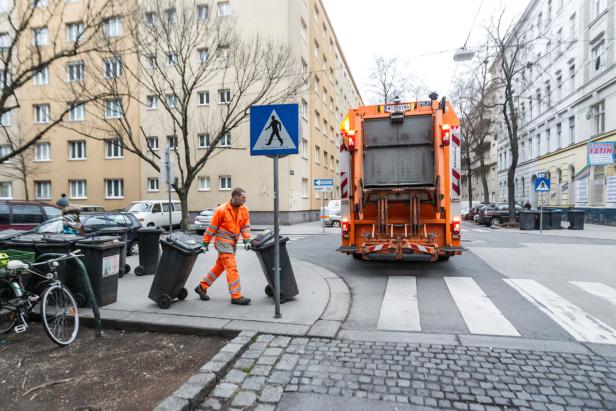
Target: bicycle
[{"x": 58, "y": 308}]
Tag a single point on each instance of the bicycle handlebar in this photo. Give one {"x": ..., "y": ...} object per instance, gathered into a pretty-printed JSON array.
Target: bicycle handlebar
[{"x": 72, "y": 254}]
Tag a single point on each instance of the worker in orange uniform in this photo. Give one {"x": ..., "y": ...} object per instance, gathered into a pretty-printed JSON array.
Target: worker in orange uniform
[{"x": 230, "y": 221}]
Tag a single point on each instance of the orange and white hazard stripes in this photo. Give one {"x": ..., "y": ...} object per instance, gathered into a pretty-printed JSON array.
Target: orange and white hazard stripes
[
  {"x": 455, "y": 161},
  {"x": 405, "y": 245},
  {"x": 344, "y": 170}
]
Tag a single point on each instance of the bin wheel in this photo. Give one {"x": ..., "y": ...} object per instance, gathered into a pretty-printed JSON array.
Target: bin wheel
[
  {"x": 80, "y": 299},
  {"x": 139, "y": 270},
  {"x": 183, "y": 294},
  {"x": 126, "y": 269},
  {"x": 164, "y": 301},
  {"x": 268, "y": 291}
]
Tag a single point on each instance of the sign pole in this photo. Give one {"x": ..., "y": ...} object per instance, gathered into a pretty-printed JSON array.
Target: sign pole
[
  {"x": 276, "y": 244},
  {"x": 323, "y": 206},
  {"x": 541, "y": 215},
  {"x": 168, "y": 171}
]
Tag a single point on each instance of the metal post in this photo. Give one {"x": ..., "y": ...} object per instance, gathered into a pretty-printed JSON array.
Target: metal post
[
  {"x": 323, "y": 212},
  {"x": 541, "y": 219},
  {"x": 276, "y": 243},
  {"x": 168, "y": 170}
]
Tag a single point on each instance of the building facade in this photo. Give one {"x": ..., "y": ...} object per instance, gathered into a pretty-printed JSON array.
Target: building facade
[
  {"x": 99, "y": 171},
  {"x": 566, "y": 94}
]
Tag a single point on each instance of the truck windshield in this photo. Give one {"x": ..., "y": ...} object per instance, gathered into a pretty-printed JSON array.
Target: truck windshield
[{"x": 139, "y": 208}]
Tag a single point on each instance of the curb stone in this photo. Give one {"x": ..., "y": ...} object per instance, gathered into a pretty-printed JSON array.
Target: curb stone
[{"x": 190, "y": 394}]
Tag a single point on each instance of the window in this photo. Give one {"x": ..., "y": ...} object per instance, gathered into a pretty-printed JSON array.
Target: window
[
  {"x": 559, "y": 132},
  {"x": 225, "y": 141},
  {"x": 42, "y": 76},
  {"x": 304, "y": 108},
  {"x": 325, "y": 158},
  {"x": 317, "y": 119},
  {"x": 42, "y": 190},
  {"x": 6, "y": 190},
  {"x": 153, "y": 184},
  {"x": 172, "y": 142},
  {"x": 114, "y": 188},
  {"x": 112, "y": 27},
  {"x": 225, "y": 182},
  {"x": 317, "y": 154},
  {"x": 42, "y": 152},
  {"x": 77, "y": 111},
  {"x": 74, "y": 32},
  {"x": 304, "y": 70},
  {"x": 204, "y": 98},
  {"x": 548, "y": 140},
  {"x": 5, "y": 119},
  {"x": 151, "y": 102},
  {"x": 203, "y": 11},
  {"x": 150, "y": 18},
  {"x": 559, "y": 85},
  {"x": 40, "y": 36},
  {"x": 572, "y": 75},
  {"x": 548, "y": 95},
  {"x": 77, "y": 189},
  {"x": 559, "y": 40},
  {"x": 204, "y": 54},
  {"x": 114, "y": 148},
  {"x": 41, "y": 113},
  {"x": 302, "y": 30},
  {"x": 224, "y": 9},
  {"x": 598, "y": 56},
  {"x": 5, "y": 150},
  {"x": 316, "y": 50},
  {"x": 171, "y": 15},
  {"x": 572, "y": 27},
  {"x": 304, "y": 188},
  {"x": 304, "y": 148},
  {"x": 204, "y": 184},
  {"x": 223, "y": 53},
  {"x": 204, "y": 140},
  {"x": 152, "y": 142},
  {"x": 224, "y": 96},
  {"x": 172, "y": 59},
  {"x": 598, "y": 115},
  {"x": 5, "y": 41},
  {"x": 597, "y": 7},
  {"x": 331, "y": 162},
  {"x": 75, "y": 71},
  {"x": 171, "y": 100},
  {"x": 316, "y": 85},
  {"x": 113, "y": 109},
  {"x": 77, "y": 150},
  {"x": 112, "y": 67},
  {"x": 571, "y": 130}
]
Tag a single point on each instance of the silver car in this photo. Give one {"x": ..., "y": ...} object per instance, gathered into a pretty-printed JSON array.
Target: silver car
[{"x": 203, "y": 220}]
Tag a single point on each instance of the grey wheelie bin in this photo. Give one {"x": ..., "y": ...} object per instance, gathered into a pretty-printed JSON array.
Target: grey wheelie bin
[
  {"x": 527, "y": 220},
  {"x": 101, "y": 256},
  {"x": 180, "y": 251},
  {"x": 556, "y": 219},
  {"x": 121, "y": 232},
  {"x": 149, "y": 250},
  {"x": 576, "y": 219},
  {"x": 61, "y": 244},
  {"x": 264, "y": 246},
  {"x": 7, "y": 235}
]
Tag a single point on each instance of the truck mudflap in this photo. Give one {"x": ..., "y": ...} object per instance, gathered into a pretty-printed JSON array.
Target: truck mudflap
[{"x": 401, "y": 248}]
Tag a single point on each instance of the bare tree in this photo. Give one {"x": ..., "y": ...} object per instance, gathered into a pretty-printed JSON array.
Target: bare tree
[
  {"x": 20, "y": 167},
  {"x": 168, "y": 55},
  {"x": 388, "y": 80},
  {"x": 35, "y": 36}
]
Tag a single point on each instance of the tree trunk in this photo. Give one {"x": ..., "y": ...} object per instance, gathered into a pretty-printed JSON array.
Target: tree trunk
[
  {"x": 183, "y": 196},
  {"x": 26, "y": 191},
  {"x": 484, "y": 179},
  {"x": 470, "y": 188}
]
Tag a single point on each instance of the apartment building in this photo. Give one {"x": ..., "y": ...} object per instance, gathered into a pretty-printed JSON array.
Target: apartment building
[
  {"x": 100, "y": 171},
  {"x": 566, "y": 94}
]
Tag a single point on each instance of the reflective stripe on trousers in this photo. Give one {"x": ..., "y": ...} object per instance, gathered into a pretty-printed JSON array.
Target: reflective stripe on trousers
[{"x": 224, "y": 262}]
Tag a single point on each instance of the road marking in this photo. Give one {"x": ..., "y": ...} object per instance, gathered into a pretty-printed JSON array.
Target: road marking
[
  {"x": 480, "y": 230},
  {"x": 399, "y": 310},
  {"x": 598, "y": 289},
  {"x": 582, "y": 326},
  {"x": 479, "y": 312},
  {"x": 464, "y": 230}
]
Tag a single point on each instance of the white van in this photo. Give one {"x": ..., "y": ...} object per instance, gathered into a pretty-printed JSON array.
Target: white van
[{"x": 155, "y": 213}]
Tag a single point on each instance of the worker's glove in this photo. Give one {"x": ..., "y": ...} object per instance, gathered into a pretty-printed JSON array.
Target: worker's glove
[
  {"x": 247, "y": 244},
  {"x": 205, "y": 247}
]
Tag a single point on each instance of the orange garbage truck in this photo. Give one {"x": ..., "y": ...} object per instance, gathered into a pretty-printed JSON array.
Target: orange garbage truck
[{"x": 400, "y": 181}]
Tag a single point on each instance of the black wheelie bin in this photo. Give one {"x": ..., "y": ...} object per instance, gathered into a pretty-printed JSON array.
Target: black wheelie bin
[
  {"x": 527, "y": 220},
  {"x": 576, "y": 219},
  {"x": 264, "y": 246},
  {"x": 101, "y": 256},
  {"x": 149, "y": 250},
  {"x": 121, "y": 232},
  {"x": 61, "y": 244},
  {"x": 180, "y": 251}
]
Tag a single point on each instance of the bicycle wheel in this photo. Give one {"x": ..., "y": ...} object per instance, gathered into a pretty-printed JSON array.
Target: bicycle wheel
[
  {"x": 59, "y": 315},
  {"x": 8, "y": 313}
]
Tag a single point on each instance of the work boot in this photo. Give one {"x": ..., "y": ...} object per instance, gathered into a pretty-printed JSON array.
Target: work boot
[
  {"x": 202, "y": 293},
  {"x": 240, "y": 301}
]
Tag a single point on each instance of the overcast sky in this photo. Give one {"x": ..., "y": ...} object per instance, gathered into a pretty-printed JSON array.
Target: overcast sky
[{"x": 409, "y": 29}]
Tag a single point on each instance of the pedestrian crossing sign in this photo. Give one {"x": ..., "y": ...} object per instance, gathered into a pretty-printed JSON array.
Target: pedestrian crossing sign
[
  {"x": 542, "y": 184},
  {"x": 274, "y": 130}
]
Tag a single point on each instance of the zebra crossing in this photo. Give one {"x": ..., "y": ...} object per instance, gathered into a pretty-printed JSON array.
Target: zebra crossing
[{"x": 400, "y": 307}]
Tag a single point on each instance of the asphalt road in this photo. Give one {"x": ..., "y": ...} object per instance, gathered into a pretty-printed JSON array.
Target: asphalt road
[{"x": 506, "y": 283}]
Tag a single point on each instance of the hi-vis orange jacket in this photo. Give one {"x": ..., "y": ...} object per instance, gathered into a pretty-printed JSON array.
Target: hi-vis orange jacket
[{"x": 228, "y": 224}]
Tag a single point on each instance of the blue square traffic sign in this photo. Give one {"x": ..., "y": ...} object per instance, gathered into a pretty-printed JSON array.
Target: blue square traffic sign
[{"x": 274, "y": 130}]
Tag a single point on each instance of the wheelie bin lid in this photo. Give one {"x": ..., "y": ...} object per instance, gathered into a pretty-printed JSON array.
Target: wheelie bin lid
[
  {"x": 98, "y": 240},
  {"x": 263, "y": 237},
  {"x": 182, "y": 241},
  {"x": 5, "y": 234},
  {"x": 62, "y": 238},
  {"x": 26, "y": 239},
  {"x": 149, "y": 230},
  {"x": 268, "y": 243},
  {"x": 113, "y": 230}
]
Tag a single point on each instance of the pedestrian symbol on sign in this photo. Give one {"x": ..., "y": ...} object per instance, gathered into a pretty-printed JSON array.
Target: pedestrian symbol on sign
[
  {"x": 542, "y": 184},
  {"x": 278, "y": 131},
  {"x": 275, "y": 126}
]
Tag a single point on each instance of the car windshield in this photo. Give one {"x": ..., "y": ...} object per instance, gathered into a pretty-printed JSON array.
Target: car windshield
[
  {"x": 139, "y": 208},
  {"x": 206, "y": 212},
  {"x": 51, "y": 226}
]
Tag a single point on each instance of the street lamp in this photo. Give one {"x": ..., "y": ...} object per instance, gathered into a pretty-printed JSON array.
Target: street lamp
[{"x": 464, "y": 54}]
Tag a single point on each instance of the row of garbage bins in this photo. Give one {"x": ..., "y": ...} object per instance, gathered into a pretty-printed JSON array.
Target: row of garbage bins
[
  {"x": 551, "y": 219},
  {"x": 105, "y": 259}
]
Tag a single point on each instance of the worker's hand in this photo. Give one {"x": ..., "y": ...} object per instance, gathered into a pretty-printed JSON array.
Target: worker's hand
[
  {"x": 205, "y": 247},
  {"x": 247, "y": 244}
]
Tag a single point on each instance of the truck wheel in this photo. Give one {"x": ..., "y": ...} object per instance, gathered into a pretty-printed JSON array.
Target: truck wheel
[
  {"x": 268, "y": 291},
  {"x": 443, "y": 258},
  {"x": 357, "y": 256},
  {"x": 183, "y": 294},
  {"x": 139, "y": 270},
  {"x": 494, "y": 221},
  {"x": 164, "y": 301},
  {"x": 336, "y": 224}
]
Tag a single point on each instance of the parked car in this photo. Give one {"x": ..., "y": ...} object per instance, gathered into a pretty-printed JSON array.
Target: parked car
[
  {"x": 25, "y": 215},
  {"x": 90, "y": 208},
  {"x": 203, "y": 220},
  {"x": 155, "y": 213},
  {"x": 477, "y": 212},
  {"x": 331, "y": 215},
  {"x": 497, "y": 213},
  {"x": 94, "y": 222}
]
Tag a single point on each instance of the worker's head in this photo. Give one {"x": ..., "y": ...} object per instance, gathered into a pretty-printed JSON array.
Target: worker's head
[{"x": 238, "y": 196}]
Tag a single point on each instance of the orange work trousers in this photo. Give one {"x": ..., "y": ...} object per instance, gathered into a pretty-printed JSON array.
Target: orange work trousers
[{"x": 225, "y": 262}]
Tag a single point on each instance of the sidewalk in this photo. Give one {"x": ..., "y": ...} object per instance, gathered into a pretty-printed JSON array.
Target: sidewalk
[
  {"x": 318, "y": 310},
  {"x": 596, "y": 231}
]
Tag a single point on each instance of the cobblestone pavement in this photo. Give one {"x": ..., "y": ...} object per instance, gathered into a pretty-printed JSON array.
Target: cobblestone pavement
[{"x": 439, "y": 376}]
